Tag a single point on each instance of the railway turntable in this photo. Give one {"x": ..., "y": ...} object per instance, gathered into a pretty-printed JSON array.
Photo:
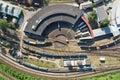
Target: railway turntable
[{"x": 58, "y": 24}]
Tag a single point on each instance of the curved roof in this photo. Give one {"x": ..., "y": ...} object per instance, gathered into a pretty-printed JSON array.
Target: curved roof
[{"x": 50, "y": 14}]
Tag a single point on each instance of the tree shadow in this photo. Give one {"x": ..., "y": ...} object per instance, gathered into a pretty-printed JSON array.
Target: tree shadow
[{"x": 94, "y": 25}]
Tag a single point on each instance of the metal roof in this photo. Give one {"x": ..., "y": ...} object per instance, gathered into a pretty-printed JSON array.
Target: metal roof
[
  {"x": 10, "y": 10},
  {"x": 98, "y": 1},
  {"x": 50, "y": 14},
  {"x": 101, "y": 13},
  {"x": 101, "y": 31}
]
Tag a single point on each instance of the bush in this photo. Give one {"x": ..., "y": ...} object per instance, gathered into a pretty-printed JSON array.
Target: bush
[
  {"x": 93, "y": 5},
  {"x": 104, "y": 23},
  {"x": 92, "y": 17},
  {"x": 5, "y": 43},
  {"x": 3, "y": 77},
  {"x": 12, "y": 26},
  {"x": 4, "y": 24},
  {"x": 19, "y": 75}
]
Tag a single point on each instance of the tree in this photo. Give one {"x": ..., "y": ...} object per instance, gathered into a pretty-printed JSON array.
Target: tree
[
  {"x": 93, "y": 5},
  {"x": 4, "y": 24},
  {"x": 92, "y": 17},
  {"x": 45, "y": 2},
  {"x": 104, "y": 23},
  {"x": 5, "y": 43}
]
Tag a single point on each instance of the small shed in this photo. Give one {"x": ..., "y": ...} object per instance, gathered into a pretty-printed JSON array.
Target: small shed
[{"x": 102, "y": 59}]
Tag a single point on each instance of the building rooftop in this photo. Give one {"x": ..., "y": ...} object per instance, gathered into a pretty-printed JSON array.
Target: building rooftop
[
  {"x": 10, "y": 10},
  {"x": 52, "y": 14},
  {"x": 102, "y": 31},
  {"x": 101, "y": 13},
  {"x": 98, "y": 1},
  {"x": 76, "y": 62}
]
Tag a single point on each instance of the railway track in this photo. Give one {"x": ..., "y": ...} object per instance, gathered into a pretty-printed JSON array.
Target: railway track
[
  {"x": 62, "y": 51},
  {"x": 107, "y": 52},
  {"x": 51, "y": 75},
  {"x": 7, "y": 76}
]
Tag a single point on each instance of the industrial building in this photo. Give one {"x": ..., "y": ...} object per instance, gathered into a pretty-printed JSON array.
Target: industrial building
[{"x": 8, "y": 10}]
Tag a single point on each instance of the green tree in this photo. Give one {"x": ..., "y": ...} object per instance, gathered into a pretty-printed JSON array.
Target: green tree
[
  {"x": 3, "y": 24},
  {"x": 5, "y": 43},
  {"x": 92, "y": 17},
  {"x": 104, "y": 23},
  {"x": 93, "y": 5}
]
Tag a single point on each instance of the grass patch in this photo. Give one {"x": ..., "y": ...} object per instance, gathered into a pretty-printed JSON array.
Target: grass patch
[
  {"x": 3, "y": 77},
  {"x": 40, "y": 63},
  {"x": 19, "y": 75},
  {"x": 107, "y": 76}
]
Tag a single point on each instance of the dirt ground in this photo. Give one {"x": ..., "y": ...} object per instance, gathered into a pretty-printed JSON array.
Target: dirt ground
[
  {"x": 110, "y": 62},
  {"x": 101, "y": 42}
]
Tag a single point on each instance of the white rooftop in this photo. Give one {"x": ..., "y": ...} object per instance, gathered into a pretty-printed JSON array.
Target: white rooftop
[
  {"x": 102, "y": 58},
  {"x": 101, "y": 31}
]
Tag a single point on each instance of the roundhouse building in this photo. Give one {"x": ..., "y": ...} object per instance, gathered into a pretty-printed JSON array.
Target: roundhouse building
[{"x": 56, "y": 13}]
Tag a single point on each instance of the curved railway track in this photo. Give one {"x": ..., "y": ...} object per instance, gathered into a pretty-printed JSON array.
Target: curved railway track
[
  {"x": 117, "y": 47},
  {"x": 106, "y": 52},
  {"x": 51, "y": 75},
  {"x": 7, "y": 76}
]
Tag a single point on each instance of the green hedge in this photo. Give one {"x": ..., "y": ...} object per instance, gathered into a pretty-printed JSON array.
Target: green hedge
[
  {"x": 5, "y": 43},
  {"x": 3, "y": 77},
  {"x": 18, "y": 74}
]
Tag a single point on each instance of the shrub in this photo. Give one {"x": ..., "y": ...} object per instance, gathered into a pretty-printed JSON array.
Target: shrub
[
  {"x": 104, "y": 23},
  {"x": 5, "y": 43},
  {"x": 92, "y": 17}
]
